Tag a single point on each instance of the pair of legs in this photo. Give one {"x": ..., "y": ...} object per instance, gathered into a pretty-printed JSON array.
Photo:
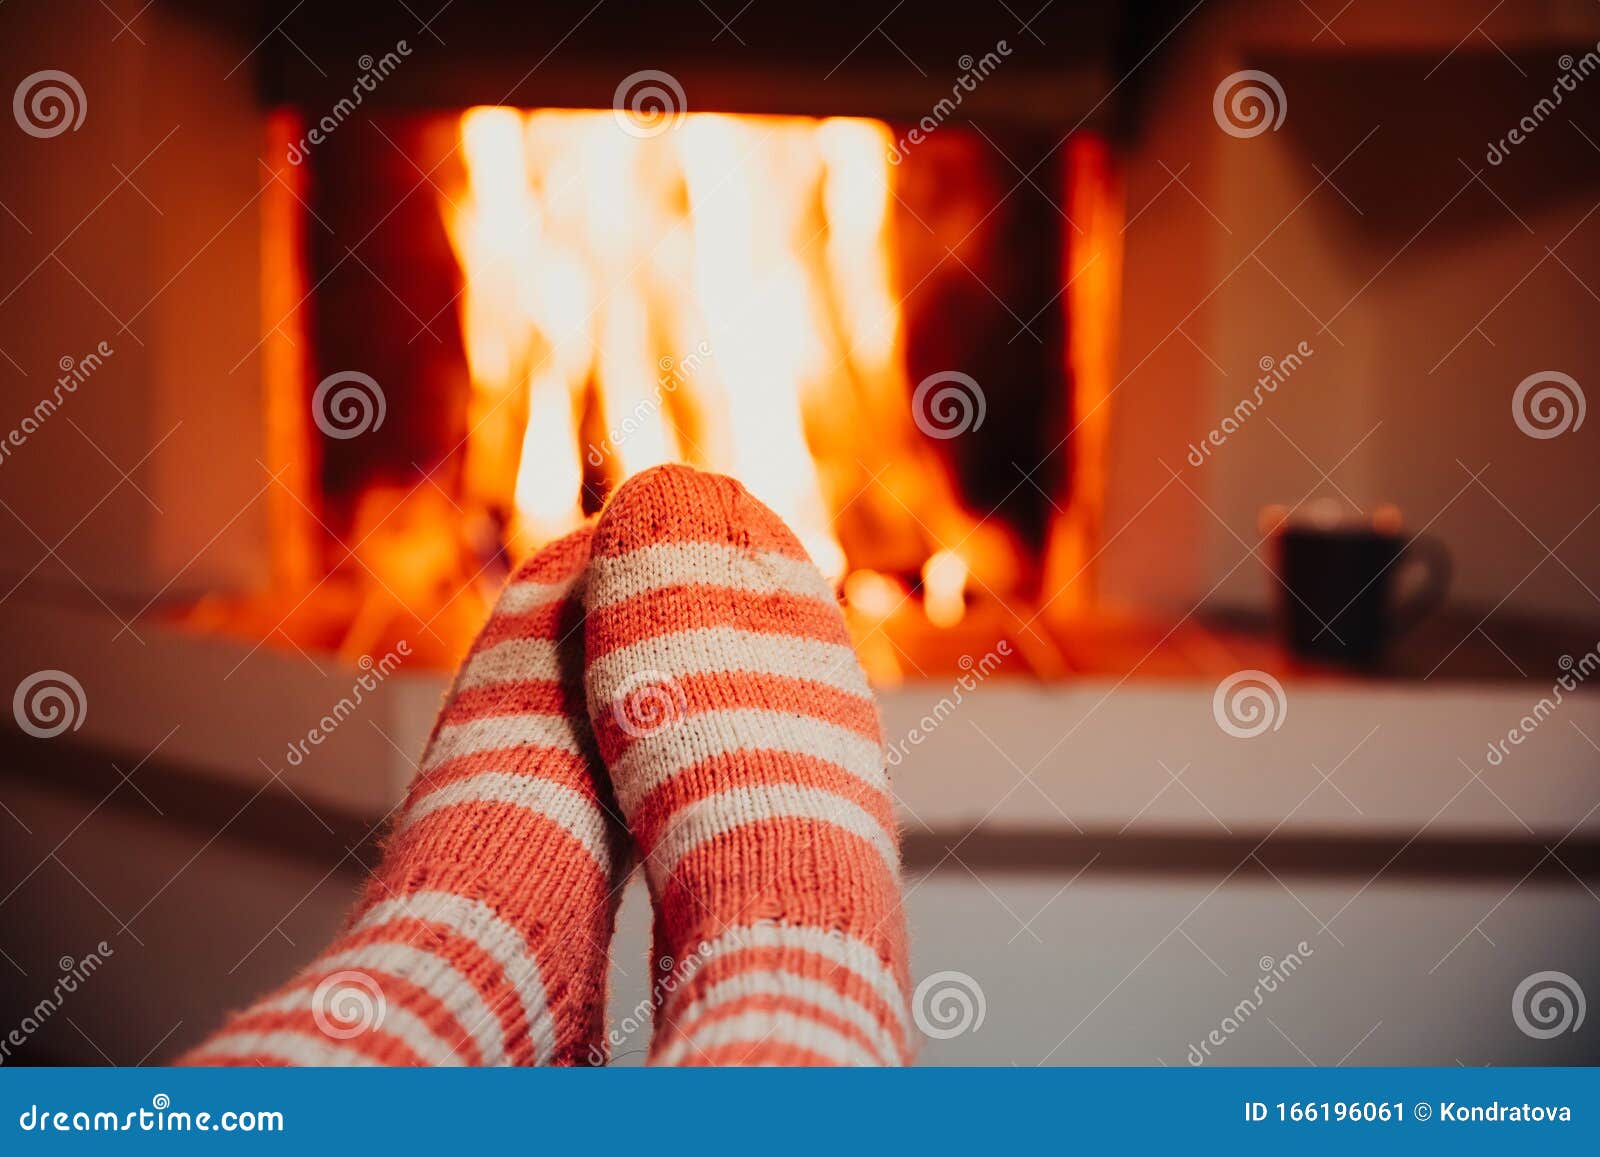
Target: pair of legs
[{"x": 673, "y": 684}]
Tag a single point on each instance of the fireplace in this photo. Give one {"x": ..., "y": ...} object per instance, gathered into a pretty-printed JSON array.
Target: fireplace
[{"x": 896, "y": 329}]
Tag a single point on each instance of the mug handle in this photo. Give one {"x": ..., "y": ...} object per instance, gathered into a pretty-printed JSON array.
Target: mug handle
[{"x": 1434, "y": 558}]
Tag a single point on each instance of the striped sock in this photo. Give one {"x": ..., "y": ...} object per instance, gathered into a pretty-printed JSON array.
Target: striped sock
[
  {"x": 482, "y": 936},
  {"x": 745, "y": 751}
]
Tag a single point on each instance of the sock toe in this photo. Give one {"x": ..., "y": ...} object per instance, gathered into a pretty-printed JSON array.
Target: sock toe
[{"x": 674, "y": 503}]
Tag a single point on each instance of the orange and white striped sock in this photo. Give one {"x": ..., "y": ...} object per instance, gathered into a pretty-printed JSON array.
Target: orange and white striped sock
[
  {"x": 483, "y": 935},
  {"x": 745, "y": 750}
]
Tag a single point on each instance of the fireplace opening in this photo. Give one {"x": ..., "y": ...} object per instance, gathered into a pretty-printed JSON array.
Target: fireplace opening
[{"x": 853, "y": 318}]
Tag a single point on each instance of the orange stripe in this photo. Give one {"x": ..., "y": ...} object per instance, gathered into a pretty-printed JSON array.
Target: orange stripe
[
  {"x": 842, "y": 979},
  {"x": 525, "y": 697},
  {"x": 735, "y": 690},
  {"x": 849, "y": 887},
  {"x": 693, "y": 606},
  {"x": 754, "y": 1053},
  {"x": 418, "y": 1001},
  {"x": 552, "y": 621},
  {"x": 375, "y": 1044},
  {"x": 773, "y": 1003},
  {"x": 751, "y": 769},
  {"x": 481, "y": 970},
  {"x": 553, "y": 764},
  {"x": 558, "y": 560}
]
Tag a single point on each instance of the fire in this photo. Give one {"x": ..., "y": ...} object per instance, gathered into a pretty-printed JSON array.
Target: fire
[{"x": 718, "y": 292}]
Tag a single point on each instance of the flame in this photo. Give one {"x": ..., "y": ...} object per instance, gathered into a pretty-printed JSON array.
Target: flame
[
  {"x": 594, "y": 256},
  {"x": 944, "y": 584}
]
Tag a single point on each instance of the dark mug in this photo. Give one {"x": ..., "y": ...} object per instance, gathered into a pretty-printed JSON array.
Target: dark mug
[{"x": 1339, "y": 591}]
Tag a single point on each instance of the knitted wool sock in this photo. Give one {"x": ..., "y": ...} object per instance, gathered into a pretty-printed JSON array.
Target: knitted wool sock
[
  {"x": 482, "y": 936},
  {"x": 745, "y": 751}
]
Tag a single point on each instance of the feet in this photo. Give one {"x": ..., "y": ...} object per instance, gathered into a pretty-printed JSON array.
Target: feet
[
  {"x": 483, "y": 936},
  {"x": 746, "y": 754}
]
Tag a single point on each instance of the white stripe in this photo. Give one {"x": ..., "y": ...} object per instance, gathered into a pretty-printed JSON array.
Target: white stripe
[
  {"x": 665, "y": 564},
  {"x": 296, "y": 1048},
  {"x": 502, "y": 732},
  {"x": 654, "y": 759},
  {"x": 792, "y": 986},
  {"x": 396, "y": 1021},
  {"x": 706, "y": 819},
  {"x": 521, "y": 597},
  {"x": 755, "y": 1029},
  {"x": 499, "y": 940},
  {"x": 577, "y": 814},
  {"x": 438, "y": 978},
  {"x": 845, "y": 951},
  {"x": 707, "y": 650},
  {"x": 512, "y": 661}
]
